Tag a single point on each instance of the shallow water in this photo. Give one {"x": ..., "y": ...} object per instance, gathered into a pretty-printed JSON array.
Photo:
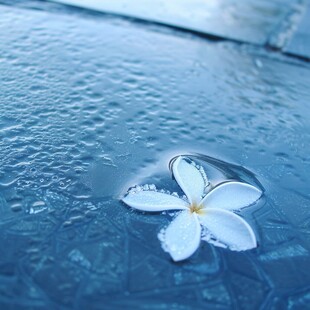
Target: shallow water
[{"x": 92, "y": 105}]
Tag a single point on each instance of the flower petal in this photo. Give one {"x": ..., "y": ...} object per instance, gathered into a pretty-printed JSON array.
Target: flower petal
[
  {"x": 229, "y": 229},
  {"x": 190, "y": 178},
  {"x": 231, "y": 196},
  {"x": 182, "y": 237},
  {"x": 154, "y": 201}
]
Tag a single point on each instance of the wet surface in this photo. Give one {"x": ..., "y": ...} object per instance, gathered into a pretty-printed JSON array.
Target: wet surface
[
  {"x": 91, "y": 105},
  {"x": 300, "y": 42},
  {"x": 249, "y": 21}
]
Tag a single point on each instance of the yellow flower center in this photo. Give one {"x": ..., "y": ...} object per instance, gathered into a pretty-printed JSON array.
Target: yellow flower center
[{"x": 195, "y": 208}]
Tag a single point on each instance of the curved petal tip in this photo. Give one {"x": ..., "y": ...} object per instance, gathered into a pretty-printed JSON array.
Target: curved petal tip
[
  {"x": 229, "y": 229},
  {"x": 232, "y": 196},
  {"x": 182, "y": 237},
  {"x": 153, "y": 201},
  {"x": 190, "y": 177}
]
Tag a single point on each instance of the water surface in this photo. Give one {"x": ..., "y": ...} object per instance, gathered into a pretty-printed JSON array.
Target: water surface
[{"x": 91, "y": 105}]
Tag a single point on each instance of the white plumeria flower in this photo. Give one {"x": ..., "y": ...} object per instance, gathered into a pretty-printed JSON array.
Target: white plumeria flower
[{"x": 211, "y": 210}]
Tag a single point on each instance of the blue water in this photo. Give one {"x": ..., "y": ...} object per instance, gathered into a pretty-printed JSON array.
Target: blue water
[{"x": 91, "y": 105}]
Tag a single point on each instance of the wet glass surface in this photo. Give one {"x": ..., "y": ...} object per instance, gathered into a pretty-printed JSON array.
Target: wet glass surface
[{"x": 92, "y": 105}]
